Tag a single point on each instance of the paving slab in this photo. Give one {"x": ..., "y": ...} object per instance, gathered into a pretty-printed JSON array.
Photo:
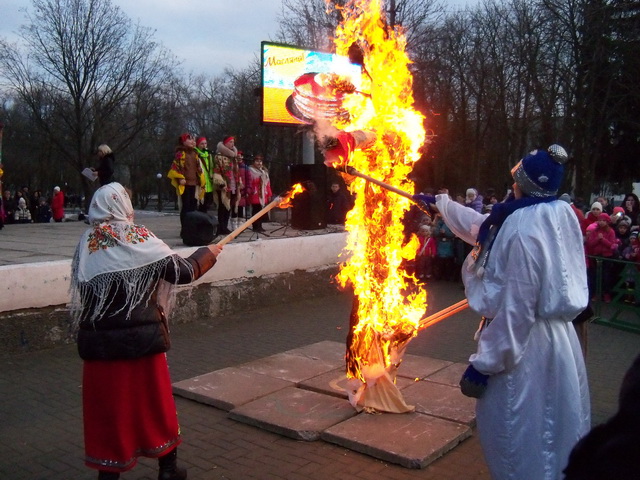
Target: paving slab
[
  {"x": 228, "y": 388},
  {"x": 449, "y": 375},
  {"x": 416, "y": 366},
  {"x": 291, "y": 367},
  {"x": 326, "y": 351},
  {"x": 413, "y": 440},
  {"x": 443, "y": 401},
  {"x": 336, "y": 383},
  {"x": 295, "y": 413}
]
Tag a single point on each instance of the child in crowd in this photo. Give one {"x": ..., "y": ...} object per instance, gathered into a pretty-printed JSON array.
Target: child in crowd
[
  {"x": 445, "y": 267},
  {"x": 592, "y": 216},
  {"x": 601, "y": 242},
  {"x": 426, "y": 253},
  {"x": 632, "y": 254}
]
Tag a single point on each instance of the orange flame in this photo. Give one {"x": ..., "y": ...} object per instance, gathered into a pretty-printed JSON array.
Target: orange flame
[
  {"x": 388, "y": 305},
  {"x": 285, "y": 201}
]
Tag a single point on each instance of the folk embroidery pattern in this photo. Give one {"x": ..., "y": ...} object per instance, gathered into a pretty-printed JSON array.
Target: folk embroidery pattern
[{"x": 104, "y": 236}]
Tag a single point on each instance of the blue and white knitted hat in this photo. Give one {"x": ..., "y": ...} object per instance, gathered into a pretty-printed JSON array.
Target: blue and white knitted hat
[{"x": 540, "y": 173}]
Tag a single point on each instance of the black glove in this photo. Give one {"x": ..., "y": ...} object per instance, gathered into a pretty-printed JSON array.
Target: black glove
[
  {"x": 473, "y": 383},
  {"x": 427, "y": 199}
]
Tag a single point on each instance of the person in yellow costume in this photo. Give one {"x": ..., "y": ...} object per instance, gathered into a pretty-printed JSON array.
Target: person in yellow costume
[{"x": 187, "y": 176}]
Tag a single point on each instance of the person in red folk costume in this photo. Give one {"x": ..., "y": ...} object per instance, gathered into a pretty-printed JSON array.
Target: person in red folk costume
[
  {"x": 228, "y": 183},
  {"x": 57, "y": 204},
  {"x": 259, "y": 189},
  {"x": 123, "y": 282}
]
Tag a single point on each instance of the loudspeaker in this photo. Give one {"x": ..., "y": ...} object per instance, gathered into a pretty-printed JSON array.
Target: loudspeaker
[
  {"x": 309, "y": 211},
  {"x": 197, "y": 229}
]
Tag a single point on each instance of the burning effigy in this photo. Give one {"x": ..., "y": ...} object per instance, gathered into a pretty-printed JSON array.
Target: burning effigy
[{"x": 382, "y": 135}]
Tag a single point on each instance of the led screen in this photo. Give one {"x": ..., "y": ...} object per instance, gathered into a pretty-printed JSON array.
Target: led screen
[{"x": 283, "y": 67}]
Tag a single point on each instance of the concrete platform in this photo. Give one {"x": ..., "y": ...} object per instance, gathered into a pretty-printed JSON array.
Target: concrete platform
[
  {"x": 450, "y": 375},
  {"x": 326, "y": 351},
  {"x": 295, "y": 413},
  {"x": 232, "y": 387},
  {"x": 412, "y": 440},
  {"x": 416, "y": 366},
  {"x": 296, "y": 365},
  {"x": 228, "y": 388},
  {"x": 302, "y": 394},
  {"x": 443, "y": 401}
]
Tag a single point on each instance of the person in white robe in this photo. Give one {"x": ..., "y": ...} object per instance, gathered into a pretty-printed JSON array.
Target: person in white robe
[{"x": 527, "y": 277}]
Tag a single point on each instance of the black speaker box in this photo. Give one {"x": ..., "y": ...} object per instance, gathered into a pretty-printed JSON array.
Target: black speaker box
[
  {"x": 309, "y": 211},
  {"x": 198, "y": 228}
]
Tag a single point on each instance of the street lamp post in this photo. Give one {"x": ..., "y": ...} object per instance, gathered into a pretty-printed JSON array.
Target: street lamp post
[{"x": 159, "y": 177}]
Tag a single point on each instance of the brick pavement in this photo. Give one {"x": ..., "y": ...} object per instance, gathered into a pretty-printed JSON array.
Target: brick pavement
[{"x": 41, "y": 426}]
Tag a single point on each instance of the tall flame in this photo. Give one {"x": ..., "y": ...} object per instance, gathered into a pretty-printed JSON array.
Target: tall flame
[{"x": 387, "y": 306}]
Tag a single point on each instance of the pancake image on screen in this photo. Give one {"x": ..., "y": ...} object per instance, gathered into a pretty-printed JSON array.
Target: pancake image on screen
[{"x": 319, "y": 96}]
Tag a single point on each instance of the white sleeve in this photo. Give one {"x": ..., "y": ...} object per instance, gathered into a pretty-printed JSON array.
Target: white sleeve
[{"x": 463, "y": 221}]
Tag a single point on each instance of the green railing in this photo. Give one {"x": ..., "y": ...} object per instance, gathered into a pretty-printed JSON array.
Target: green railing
[{"x": 623, "y": 309}]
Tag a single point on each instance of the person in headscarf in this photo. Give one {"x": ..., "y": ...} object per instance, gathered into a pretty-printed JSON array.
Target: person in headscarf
[
  {"x": 227, "y": 182},
  {"x": 527, "y": 277},
  {"x": 186, "y": 176},
  {"x": 122, "y": 291},
  {"x": 207, "y": 163},
  {"x": 258, "y": 190}
]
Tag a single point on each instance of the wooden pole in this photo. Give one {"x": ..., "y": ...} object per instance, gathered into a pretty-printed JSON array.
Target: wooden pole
[
  {"x": 442, "y": 314},
  {"x": 356, "y": 173},
  {"x": 280, "y": 199},
  {"x": 421, "y": 205}
]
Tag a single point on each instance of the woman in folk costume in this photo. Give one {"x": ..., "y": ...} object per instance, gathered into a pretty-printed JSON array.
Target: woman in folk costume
[
  {"x": 122, "y": 290},
  {"x": 207, "y": 162},
  {"x": 227, "y": 182},
  {"x": 259, "y": 189},
  {"x": 527, "y": 278},
  {"x": 187, "y": 176}
]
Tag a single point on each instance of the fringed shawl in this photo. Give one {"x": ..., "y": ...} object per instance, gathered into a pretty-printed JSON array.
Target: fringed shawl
[{"x": 114, "y": 253}]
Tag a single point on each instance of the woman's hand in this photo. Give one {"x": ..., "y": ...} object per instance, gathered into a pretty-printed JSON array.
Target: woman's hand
[
  {"x": 182, "y": 181},
  {"x": 215, "y": 249}
]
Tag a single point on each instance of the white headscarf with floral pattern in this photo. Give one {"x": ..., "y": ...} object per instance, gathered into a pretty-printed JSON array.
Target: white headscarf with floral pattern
[{"x": 114, "y": 250}]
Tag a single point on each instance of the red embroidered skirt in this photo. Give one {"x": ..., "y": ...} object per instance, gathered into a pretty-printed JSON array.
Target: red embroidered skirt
[{"x": 129, "y": 411}]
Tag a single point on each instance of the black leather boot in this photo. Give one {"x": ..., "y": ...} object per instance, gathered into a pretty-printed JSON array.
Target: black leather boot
[
  {"x": 103, "y": 475},
  {"x": 169, "y": 469}
]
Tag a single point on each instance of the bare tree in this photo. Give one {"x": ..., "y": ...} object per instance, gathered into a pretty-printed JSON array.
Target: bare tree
[{"x": 88, "y": 75}]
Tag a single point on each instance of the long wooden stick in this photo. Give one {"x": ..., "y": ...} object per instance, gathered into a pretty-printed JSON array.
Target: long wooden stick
[
  {"x": 270, "y": 206},
  {"x": 421, "y": 205},
  {"x": 356, "y": 173},
  {"x": 442, "y": 314}
]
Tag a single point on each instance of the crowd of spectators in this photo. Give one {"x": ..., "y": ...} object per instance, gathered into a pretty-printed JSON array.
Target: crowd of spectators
[
  {"x": 24, "y": 206},
  {"x": 610, "y": 232}
]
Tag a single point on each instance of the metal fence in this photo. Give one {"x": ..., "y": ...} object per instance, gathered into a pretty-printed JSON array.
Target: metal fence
[{"x": 615, "y": 293}]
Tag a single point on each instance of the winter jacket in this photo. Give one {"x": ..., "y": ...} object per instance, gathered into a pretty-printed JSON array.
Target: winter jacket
[{"x": 145, "y": 332}]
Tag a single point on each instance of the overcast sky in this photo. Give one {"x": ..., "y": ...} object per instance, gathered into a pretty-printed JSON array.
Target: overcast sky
[{"x": 208, "y": 35}]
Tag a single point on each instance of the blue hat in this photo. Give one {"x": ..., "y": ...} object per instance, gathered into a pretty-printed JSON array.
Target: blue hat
[{"x": 540, "y": 173}]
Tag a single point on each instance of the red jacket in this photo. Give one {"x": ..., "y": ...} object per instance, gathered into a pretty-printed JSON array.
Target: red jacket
[
  {"x": 427, "y": 247},
  {"x": 601, "y": 247},
  {"x": 57, "y": 205}
]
